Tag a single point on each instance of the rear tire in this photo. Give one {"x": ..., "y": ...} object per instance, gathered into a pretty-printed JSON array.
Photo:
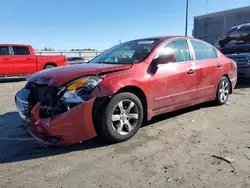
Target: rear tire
[
  {"x": 122, "y": 117},
  {"x": 223, "y": 91},
  {"x": 49, "y": 66}
]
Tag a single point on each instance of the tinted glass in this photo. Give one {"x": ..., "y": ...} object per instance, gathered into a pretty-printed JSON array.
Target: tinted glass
[
  {"x": 4, "y": 50},
  {"x": 203, "y": 51},
  {"x": 179, "y": 48},
  {"x": 79, "y": 58},
  {"x": 128, "y": 52},
  {"x": 21, "y": 50}
]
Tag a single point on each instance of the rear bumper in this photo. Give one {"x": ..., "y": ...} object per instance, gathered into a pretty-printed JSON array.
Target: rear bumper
[
  {"x": 233, "y": 82},
  {"x": 68, "y": 128}
]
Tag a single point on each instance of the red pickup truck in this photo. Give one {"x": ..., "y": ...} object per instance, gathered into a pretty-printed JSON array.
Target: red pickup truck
[{"x": 21, "y": 60}]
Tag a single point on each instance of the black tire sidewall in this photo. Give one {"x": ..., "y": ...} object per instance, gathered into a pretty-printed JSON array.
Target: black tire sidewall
[
  {"x": 218, "y": 100},
  {"x": 107, "y": 129},
  {"x": 49, "y": 66}
]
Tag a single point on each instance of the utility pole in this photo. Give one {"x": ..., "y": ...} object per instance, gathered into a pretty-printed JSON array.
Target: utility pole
[
  {"x": 206, "y": 6},
  {"x": 186, "y": 27}
]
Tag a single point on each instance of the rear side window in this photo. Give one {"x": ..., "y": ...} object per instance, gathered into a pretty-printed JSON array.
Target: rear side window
[
  {"x": 4, "y": 50},
  {"x": 203, "y": 51},
  {"x": 21, "y": 50},
  {"x": 179, "y": 48}
]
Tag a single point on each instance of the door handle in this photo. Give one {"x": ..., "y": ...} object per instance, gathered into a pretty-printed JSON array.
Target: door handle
[
  {"x": 219, "y": 65},
  {"x": 6, "y": 59},
  {"x": 28, "y": 58},
  {"x": 191, "y": 71}
]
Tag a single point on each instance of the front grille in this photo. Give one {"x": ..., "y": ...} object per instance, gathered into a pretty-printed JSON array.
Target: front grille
[{"x": 23, "y": 108}]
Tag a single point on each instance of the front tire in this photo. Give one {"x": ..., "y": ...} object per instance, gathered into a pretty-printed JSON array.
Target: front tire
[
  {"x": 122, "y": 118},
  {"x": 223, "y": 91}
]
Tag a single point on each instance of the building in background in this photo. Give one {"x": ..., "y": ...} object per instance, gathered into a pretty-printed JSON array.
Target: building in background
[{"x": 211, "y": 27}]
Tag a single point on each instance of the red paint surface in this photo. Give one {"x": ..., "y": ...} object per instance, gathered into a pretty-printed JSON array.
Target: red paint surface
[
  {"x": 168, "y": 88},
  {"x": 11, "y": 65},
  {"x": 72, "y": 127}
]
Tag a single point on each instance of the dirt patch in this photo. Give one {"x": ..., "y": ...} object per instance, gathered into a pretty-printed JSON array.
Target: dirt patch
[{"x": 173, "y": 150}]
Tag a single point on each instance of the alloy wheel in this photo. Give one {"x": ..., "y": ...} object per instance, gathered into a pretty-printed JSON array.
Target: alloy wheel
[
  {"x": 125, "y": 117},
  {"x": 224, "y": 91}
]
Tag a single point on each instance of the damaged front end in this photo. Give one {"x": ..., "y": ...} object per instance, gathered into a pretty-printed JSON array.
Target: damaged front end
[{"x": 59, "y": 116}]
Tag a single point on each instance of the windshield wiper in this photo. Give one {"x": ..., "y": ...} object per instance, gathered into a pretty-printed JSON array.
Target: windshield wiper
[{"x": 100, "y": 62}]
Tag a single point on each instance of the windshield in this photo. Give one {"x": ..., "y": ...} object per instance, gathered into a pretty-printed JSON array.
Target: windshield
[{"x": 128, "y": 52}]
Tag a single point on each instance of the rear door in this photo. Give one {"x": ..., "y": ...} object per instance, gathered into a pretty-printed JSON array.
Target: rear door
[
  {"x": 5, "y": 61},
  {"x": 209, "y": 68},
  {"x": 24, "y": 62}
]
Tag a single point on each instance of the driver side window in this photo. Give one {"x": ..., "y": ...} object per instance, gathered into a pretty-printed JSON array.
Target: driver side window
[{"x": 179, "y": 48}]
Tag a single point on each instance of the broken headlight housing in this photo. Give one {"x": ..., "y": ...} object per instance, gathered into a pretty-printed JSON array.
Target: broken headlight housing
[{"x": 79, "y": 90}]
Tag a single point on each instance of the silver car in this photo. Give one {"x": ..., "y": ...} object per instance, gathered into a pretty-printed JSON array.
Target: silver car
[{"x": 77, "y": 60}]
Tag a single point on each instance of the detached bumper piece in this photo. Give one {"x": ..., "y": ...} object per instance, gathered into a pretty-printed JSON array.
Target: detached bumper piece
[
  {"x": 71, "y": 127},
  {"x": 56, "y": 125}
]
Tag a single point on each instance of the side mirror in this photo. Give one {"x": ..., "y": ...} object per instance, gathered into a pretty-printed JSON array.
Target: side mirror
[{"x": 164, "y": 59}]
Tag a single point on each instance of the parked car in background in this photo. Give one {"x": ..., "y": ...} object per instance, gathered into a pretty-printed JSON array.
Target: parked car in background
[
  {"x": 236, "y": 45},
  {"x": 116, "y": 91},
  {"x": 77, "y": 60},
  {"x": 20, "y": 60}
]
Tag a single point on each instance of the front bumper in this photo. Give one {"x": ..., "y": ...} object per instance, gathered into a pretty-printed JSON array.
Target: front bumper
[{"x": 68, "y": 128}]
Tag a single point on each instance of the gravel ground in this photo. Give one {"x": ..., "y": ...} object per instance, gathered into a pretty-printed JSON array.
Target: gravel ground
[{"x": 173, "y": 150}]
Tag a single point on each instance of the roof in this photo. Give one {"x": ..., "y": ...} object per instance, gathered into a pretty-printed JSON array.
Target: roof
[
  {"x": 247, "y": 8},
  {"x": 163, "y": 37}
]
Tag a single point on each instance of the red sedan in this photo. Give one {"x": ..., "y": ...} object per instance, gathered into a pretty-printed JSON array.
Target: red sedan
[{"x": 115, "y": 92}]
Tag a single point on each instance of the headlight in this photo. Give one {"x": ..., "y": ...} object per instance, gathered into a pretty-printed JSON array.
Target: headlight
[{"x": 76, "y": 91}]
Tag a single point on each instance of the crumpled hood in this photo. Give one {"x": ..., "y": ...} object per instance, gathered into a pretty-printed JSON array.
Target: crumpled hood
[{"x": 61, "y": 75}]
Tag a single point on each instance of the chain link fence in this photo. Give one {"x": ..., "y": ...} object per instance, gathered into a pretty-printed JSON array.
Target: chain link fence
[{"x": 85, "y": 54}]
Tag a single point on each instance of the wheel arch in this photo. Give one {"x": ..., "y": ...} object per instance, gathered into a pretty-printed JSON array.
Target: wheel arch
[
  {"x": 103, "y": 99},
  {"x": 139, "y": 93},
  {"x": 227, "y": 76},
  {"x": 49, "y": 63}
]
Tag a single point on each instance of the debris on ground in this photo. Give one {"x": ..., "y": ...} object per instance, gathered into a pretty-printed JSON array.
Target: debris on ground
[
  {"x": 193, "y": 120},
  {"x": 177, "y": 179},
  {"x": 228, "y": 103},
  {"x": 169, "y": 179},
  {"x": 229, "y": 160},
  {"x": 247, "y": 155}
]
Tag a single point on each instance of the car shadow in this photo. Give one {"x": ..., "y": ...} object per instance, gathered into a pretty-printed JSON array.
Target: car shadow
[
  {"x": 17, "y": 145},
  {"x": 8, "y": 80},
  {"x": 174, "y": 114}
]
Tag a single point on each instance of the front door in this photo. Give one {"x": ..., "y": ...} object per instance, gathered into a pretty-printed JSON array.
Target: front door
[{"x": 174, "y": 84}]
